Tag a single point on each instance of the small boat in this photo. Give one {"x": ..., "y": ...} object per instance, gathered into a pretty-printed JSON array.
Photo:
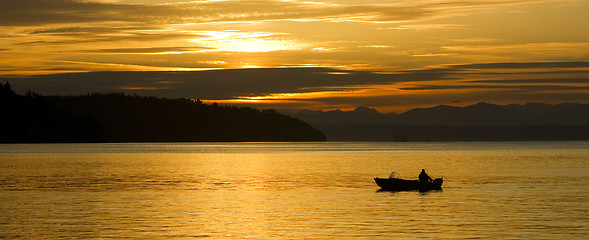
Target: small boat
[{"x": 397, "y": 184}]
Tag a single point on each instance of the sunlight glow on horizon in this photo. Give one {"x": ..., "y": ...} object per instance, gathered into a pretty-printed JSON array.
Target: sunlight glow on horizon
[
  {"x": 370, "y": 53},
  {"x": 246, "y": 42}
]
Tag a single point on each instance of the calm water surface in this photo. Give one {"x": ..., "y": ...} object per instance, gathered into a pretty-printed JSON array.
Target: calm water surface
[{"x": 508, "y": 190}]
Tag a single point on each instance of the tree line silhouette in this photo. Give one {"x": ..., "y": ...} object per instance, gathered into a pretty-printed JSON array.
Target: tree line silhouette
[{"x": 117, "y": 117}]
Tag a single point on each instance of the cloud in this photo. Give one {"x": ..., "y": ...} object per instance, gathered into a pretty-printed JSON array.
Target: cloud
[
  {"x": 515, "y": 87},
  {"x": 68, "y": 31},
  {"x": 523, "y": 65},
  {"x": 43, "y": 12},
  {"x": 218, "y": 84},
  {"x": 420, "y": 27},
  {"x": 238, "y": 83},
  {"x": 571, "y": 49},
  {"x": 474, "y": 40},
  {"x": 39, "y": 12},
  {"x": 545, "y": 80},
  {"x": 83, "y": 35},
  {"x": 150, "y": 50}
]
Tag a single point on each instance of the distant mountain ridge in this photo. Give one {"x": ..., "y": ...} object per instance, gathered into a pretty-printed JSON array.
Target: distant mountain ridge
[
  {"x": 478, "y": 122},
  {"x": 361, "y": 115},
  {"x": 481, "y": 114}
]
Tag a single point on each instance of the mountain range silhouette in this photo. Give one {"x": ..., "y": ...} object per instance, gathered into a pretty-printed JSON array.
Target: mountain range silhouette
[
  {"x": 480, "y": 114},
  {"x": 479, "y": 122}
]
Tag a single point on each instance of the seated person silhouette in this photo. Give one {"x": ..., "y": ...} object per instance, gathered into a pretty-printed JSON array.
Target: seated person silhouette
[{"x": 423, "y": 177}]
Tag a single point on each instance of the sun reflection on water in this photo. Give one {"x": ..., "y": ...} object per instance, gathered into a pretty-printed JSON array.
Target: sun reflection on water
[{"x": 292, "y": 190}]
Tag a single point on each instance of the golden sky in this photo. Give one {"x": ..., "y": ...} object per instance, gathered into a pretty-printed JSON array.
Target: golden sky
[{"x": 285, "y": 54}]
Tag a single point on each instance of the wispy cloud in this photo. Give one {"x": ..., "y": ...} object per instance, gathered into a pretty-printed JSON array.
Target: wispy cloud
[
  {"x": 237, "y": 41},
  {"x": 548, "y": 48},
  {"x": 73, "y": 30},
  {"x": 494, "y": 87},
  {"x": 539, "y": 80},
  {"x": 60, "y": 36},
  {"x": 324, "y": 41},
  {"x": 523, "y": 65},
  {"x": 420, "y": 27},
  {"x": 42, "y": 12},
  {"x": 230, "y": 84},
  {"x": 151, "y": 50}
]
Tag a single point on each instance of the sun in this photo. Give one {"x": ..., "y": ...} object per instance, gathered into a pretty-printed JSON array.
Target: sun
[
  {"x": 245, "y": 42},
  {"x": 256, "y": 45}
]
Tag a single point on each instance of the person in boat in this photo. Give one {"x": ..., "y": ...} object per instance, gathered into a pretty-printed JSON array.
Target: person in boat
[{"x": 424, "y": 177}]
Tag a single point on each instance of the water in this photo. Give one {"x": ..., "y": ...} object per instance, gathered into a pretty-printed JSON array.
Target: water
[{"x": 510, "y": 190}]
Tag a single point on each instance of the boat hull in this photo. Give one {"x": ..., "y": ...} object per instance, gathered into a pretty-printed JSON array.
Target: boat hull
[{"x": 397, "y": 184}]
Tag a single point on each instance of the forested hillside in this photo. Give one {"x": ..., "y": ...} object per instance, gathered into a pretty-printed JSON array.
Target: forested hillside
[{"x": 123, "y": 118}]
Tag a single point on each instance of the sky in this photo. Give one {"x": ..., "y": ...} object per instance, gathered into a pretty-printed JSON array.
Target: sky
[{"x": 392, "y": 55}]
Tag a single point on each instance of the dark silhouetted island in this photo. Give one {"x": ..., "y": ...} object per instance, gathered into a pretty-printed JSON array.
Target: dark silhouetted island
[{"x": 117, "y": 117}]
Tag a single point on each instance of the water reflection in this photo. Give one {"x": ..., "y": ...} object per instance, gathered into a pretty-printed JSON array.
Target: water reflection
[
  {"x": 421, "y": 192},
  {"x": 284, "y": 194}
]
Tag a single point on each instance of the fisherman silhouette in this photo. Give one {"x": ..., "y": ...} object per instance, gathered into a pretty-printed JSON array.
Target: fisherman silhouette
[{"x": 424, "y": 177}]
